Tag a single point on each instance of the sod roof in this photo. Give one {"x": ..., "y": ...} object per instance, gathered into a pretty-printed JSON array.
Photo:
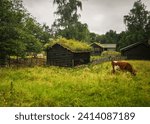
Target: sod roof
[
  {"x": 98, "y": 44},
  {"x": 72, "y": 45}
]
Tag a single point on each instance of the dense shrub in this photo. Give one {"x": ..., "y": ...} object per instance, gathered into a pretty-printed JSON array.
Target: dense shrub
[{"x": 111, "y": 53}]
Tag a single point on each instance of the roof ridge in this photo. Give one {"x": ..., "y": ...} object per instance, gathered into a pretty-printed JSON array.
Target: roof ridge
[
  {"x": 72, "y": 45},
  {"x": 131, "y": 45},
  {"x": 69, "y": 48},
  {"x": 99, "y": 44}
]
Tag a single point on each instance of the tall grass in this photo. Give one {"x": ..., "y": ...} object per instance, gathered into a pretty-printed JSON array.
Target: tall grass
[{"x": 80, "y": 86}]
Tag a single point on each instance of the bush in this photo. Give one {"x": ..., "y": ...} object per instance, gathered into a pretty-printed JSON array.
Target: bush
[{"x": 111, "y": 53}]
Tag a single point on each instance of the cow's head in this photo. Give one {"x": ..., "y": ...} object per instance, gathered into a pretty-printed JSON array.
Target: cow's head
[{"x": 134, "y": 72}]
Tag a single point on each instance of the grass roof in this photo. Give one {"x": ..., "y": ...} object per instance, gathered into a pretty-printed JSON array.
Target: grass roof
[
  {"x": 98, "y": 44},
  {"x": 72, "y": 45}
]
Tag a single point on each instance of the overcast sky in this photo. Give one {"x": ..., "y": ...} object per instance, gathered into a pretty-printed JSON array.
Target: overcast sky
[{"x": 100, "y": 15}]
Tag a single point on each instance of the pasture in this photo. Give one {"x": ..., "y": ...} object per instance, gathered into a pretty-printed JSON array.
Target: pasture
[{"x": 88, "y": 85}]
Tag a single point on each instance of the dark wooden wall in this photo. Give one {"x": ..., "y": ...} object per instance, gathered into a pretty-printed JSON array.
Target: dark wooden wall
[
  {"x": 81, "y": 58},
  {"x": 139, "y": 52},
  {"x": 97, "y": 50},
  {"x": 60, "y": 56}
]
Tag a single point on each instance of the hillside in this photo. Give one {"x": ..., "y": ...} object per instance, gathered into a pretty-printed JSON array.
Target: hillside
[{"x": 91, "y": 85}]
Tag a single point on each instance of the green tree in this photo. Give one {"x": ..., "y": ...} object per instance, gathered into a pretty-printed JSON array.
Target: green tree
[
  {"x": 79, "y": 32},
  {"x": 19, "y": 32},
  {"x": 46, "y": 34},
  {"x": 111, "y": 37},
  {"x": 67, "y": 24},
  {"x": 148, "y": 28},
  {"x": 41, "y": 32},
  {"x": 137, "y": 23},
  {"x": 11, "y": 14},
  {"x": 122, "y": 38},
  {"x": 67, "y": 13},
  {"x": 96, "y": 37}
]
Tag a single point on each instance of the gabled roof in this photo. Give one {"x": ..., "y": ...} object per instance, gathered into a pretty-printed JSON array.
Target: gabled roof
[
  {"x": 98, "y": 44},
  {"x": 132, "y": 45},
  {"x": 105, "y": 45},
  {"x": 109, "y": 45},
  {"x": 72, "y": 45}
]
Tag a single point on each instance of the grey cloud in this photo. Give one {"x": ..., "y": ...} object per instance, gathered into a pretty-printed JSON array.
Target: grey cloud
[
  {"x": 109, "y": 13},
  {"x": 42, "y": 10},
  {"x": 100, "y": 15}
]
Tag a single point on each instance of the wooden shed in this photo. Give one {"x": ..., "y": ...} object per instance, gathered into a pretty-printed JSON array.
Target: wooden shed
[
  {"x": 109, "y": 47},
  {"x": 139, "y": 51},
  {"x": 63, "y": 52},
  {"x": 97, "y": 48}
]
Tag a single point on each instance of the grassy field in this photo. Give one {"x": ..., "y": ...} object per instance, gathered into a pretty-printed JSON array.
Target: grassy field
[{"x": 91, "y": 85}]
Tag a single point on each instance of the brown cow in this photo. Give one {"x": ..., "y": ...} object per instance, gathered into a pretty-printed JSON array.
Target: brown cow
[{"x": 125, "y": 66}]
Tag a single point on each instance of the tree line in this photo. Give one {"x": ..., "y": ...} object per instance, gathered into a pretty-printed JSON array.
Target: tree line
[
  {"x": 137, "y": 24},
  {"x": 21, "y": 34}
]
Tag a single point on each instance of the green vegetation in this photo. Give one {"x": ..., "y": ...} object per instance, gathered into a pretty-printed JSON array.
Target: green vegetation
[
  {"x": 72, "y": 45},
  {"x": 110, "y": 53},
  {"x": 67, "y": 23},
  {"x": 90, "y": 85},
  {"x": 96, "y": 57},
  {"x": 106, "y": 54},
  {"x": 20, "y": 33},
  {"x": 80, "y": 86},
  {"x": 137, "y": 24}
]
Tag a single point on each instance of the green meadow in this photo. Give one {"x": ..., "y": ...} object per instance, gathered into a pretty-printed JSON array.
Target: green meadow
[{"x": 87, "y": 85}]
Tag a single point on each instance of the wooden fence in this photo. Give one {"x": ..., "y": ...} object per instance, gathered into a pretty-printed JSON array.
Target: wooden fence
[
  {"x": 106, "y": 59},
  {"x": 23, "y": 62},
  {"x": 30, "y": 62}
]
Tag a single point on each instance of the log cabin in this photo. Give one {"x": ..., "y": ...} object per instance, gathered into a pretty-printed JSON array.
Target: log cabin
[{"x": 63, "y": 52}]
